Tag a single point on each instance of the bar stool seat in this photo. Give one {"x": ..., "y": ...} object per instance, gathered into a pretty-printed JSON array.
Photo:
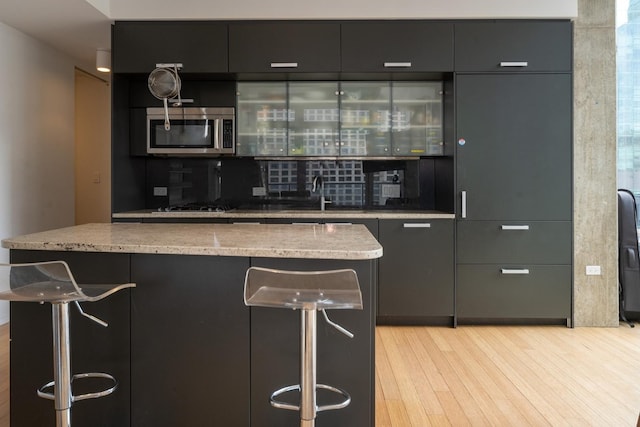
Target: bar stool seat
[
  {"x": 52, "y": 282},
  {"x": 309, "y": 292}
]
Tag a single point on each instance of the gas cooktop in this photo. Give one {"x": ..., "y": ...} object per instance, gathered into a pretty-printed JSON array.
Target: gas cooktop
[{"x": 198, "y": 207}]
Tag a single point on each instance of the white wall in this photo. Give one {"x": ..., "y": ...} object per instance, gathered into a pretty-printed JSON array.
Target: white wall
[
  {"x": 329, "y": 9},
  {"x": 36, "y": 138}
]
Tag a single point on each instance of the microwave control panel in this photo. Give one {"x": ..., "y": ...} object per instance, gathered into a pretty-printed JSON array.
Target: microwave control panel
[{"x": 227, "y": 133}]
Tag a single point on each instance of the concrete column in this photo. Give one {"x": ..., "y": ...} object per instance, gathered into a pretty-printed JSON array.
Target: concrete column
[{"x": 595, "y": 199}]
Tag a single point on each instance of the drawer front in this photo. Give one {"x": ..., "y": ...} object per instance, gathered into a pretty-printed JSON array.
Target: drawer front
[
  {"x": 499, "y": 291},
  {"x": 535, "y": 242},
  {"x": 513, "y": 46}
]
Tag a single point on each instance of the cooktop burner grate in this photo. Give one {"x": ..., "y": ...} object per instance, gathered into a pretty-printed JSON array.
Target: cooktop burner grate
[{"x": 197, "y": 207}]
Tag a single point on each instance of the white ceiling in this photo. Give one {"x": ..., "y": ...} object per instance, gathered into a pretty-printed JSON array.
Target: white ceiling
[
  {"x": 73, "y": 27},
  {"x": 77, "y": 28}
]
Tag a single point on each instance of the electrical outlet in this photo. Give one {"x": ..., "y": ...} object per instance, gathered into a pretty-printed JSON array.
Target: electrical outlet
[
  {"x": 593, "y": 270},
  {"x": 159, "y": 191},
  {"x": 259, "y": 191}
]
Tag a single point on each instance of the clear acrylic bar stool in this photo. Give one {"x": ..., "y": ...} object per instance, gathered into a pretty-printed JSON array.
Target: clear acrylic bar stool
[
  {"x": 310, "y": 292},
  {"x": 53, "y": 282}
]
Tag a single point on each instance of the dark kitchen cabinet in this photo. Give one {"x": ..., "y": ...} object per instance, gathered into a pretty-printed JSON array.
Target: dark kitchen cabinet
[
  {"x": 513, "y": 46},
  {"x": 514, "y": 152},
  {"x": 190, "y": 335},
  {"x": 201, "y": 47},
  {"x": 514, "y": 180},
  {"x": 284, "y": 47},
  {"x": 93, "y": 347},
  {"x": 397, "y": 46},
  {"x": 415, "y": 274}
]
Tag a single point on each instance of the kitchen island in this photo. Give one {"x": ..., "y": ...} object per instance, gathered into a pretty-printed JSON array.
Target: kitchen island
[{"x": 182, "y": 344}]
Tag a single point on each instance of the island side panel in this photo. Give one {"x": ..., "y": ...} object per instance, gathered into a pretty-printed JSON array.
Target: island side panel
[
  {"x": 190, "y": 341},
  {"x": 341, "y": 362},
  {"x": 93, "y": 347}
]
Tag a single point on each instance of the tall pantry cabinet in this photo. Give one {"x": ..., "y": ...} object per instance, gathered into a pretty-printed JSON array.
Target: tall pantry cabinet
[{"x": 513, "y": 170}]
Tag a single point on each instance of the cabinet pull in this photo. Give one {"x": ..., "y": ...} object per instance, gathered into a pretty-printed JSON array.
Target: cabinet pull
[
  {"x": 514, "y": 270},
  {"x": 514, "y": 64},
  {"x": 246, "y": 223},
  {"x": 464, "y": 204},
  {"x": 305, "y": 223},
  {"x": 515, "y": 227},
  {"x": 284, "y": 65},
  {"x": 397, "y": 64},
  {"x": 338, "y": 223},
  {"x": 177, "y": 65},
  {"x": 416, "y": 225}
]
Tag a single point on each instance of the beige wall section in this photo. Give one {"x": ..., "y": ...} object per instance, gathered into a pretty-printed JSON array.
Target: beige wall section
[
  {"x": 595, "y": 199},
  {"x": 92, "y": 149}
]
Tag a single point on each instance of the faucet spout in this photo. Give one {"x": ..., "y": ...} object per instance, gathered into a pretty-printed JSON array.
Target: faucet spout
[{"x": 318, "y": 186}]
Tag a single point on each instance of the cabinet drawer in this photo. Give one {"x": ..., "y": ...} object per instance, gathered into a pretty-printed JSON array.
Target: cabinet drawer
[
  {"x": 284, "y": 47},
  {"x": 488, "y": 292},
  {"x": 406, "y": 46},
  {"x": 513, "y": 46},
  {"x": 481, "y": 242}
]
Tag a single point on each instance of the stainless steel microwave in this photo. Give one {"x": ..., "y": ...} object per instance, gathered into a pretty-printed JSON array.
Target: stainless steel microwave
[{"x": 192, "y": 131}]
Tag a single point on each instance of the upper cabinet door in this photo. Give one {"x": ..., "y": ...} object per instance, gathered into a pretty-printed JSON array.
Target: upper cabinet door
[
  {"x": 405, "y": 46},
  {"x": 268, "y": 47},
  {"x": 201, "y": 47},
  {"x": 513, "y": 46}
]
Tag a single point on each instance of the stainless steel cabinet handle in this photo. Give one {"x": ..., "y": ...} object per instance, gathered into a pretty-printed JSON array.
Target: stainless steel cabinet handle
[
  {"x": 514, "y": 227},
  {"x": 284, "y": 65},
  {"x": 514, "y": 270},
  {"x": 464, "y": 204},
  {"x": 397, "y": 64},
  {"x": 246, "y": 223},
  {"x": 514, "y": 64},
  {"x": 305, "y": 223},
  {"x": 416, "y": 225},
  {"x": 338, "y": 223}
]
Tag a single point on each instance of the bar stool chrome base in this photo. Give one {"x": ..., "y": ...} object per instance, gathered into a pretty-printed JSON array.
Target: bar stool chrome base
[
  {"x": 284, "y": 405},
  {"x": 51, "y": 396}
]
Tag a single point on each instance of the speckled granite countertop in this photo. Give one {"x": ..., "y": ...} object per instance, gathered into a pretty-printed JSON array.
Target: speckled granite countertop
[
  {"x": 249, "y": 240},
  {"x": 292, "y": 213}
]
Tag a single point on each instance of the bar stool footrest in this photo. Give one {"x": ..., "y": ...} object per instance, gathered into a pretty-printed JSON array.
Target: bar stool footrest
[
  {"x": 47, "y": 395},
  {"x": 284, "y": 405}
]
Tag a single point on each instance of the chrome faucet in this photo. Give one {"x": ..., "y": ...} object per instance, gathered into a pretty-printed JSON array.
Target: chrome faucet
[{"x": 318, "y": 186}]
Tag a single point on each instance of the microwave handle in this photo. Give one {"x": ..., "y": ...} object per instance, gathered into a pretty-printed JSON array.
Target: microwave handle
[{"x": 217, "y": 134}]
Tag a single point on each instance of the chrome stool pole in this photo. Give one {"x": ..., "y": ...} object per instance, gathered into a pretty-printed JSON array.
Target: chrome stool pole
[
  {"x": 61, "y": 363},
  {"x": 308, "y": 332}
]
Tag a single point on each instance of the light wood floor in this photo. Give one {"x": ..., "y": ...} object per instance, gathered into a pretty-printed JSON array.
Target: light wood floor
[
  {"x": 484, "y": 375},
  {"x": 507, "y": 376}
]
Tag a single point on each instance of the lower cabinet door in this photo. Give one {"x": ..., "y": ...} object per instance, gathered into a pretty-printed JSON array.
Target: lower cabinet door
[
  {"x": 497, "y": 291},
  {"x": 415, "y": 273}
]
